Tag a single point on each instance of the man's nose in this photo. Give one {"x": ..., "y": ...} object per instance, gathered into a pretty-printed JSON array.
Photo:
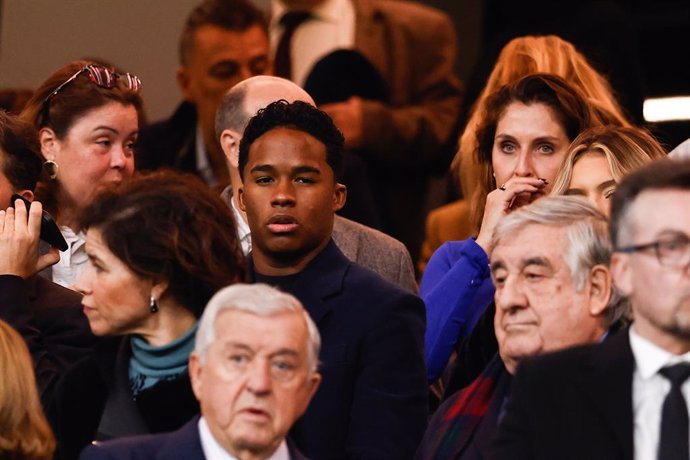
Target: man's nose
[
  {"x": 284, "y": 193},
  {"x": 511, "y": 295},
  {"x": 259, "y": 378}
]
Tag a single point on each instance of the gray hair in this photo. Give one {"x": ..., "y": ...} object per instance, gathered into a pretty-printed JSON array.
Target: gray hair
[
  {"x": 258, "y": 299},
  {"x": 586, "y": 229}
]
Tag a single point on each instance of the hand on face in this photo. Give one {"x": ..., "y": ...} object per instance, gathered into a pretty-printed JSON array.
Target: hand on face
[
  {"x": 19, "y": 237},
  {"x": 517, "y": 192}
]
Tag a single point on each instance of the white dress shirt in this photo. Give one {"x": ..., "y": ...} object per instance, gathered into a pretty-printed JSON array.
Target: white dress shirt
[
  {"x": 649, "y": 391},
  {"x": 214, "y": 451},
  {"x": 331, "y": 27},
  {"x": 72, "y": 261},
  {"x": 243, "y": 232}
]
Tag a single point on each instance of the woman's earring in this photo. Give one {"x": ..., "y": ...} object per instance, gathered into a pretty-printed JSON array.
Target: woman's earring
[
  {"x": 51, "y": 168},
  {"x": 154, "y": 305}
]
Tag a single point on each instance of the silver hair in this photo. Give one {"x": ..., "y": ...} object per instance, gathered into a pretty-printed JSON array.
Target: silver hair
[
  {"x": 258, "y": 299},
  {"x": 587, "y": 232}
]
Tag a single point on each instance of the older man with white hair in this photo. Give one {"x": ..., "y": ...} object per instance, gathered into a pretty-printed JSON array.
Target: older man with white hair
[{"x": 253, "y": 370}]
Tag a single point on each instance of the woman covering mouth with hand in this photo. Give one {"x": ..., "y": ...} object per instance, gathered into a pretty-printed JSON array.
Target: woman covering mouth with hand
[{"x": 522, "y": 141}]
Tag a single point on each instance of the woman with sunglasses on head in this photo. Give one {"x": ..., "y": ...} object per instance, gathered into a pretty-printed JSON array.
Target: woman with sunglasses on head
[
  {"x": 600, "y": 157},
  {"x": 159, "y": 246},
  {"x": 522, "y": 140},
  {"x": 87, "y": 117}
]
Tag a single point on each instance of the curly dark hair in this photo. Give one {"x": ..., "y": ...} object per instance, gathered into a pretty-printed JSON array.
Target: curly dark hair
[
  {"x": 300, "y": 116},
  {"x": 168, "y": 226}
]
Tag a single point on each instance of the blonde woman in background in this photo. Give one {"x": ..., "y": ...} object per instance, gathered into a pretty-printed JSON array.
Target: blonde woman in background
[
  {"x": 600, "y": 157},
  {"x": 520, "y": 57},
  {"x": 24, "y": 431}
]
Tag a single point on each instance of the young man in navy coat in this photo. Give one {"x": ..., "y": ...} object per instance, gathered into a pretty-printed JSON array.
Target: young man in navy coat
[{"x": 372, "y": 402}]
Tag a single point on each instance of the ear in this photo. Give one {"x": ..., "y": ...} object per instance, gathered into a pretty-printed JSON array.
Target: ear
[
  {"x": 620, "y": 271},
  {"x": 240, "y": 198},
  {"x": 599, "y": 289},
  {"x": 339, "y": 196},
  {"x": 184, "y": 82},
  {"x": 49, "y": 143},
  {"x": 230, "y": 143},
  {"x": 312, "y": 384},
  {"x": 28, "y": 194},
  {"x": 158, "y": 289},
  {"x": 196, "y": 374}
]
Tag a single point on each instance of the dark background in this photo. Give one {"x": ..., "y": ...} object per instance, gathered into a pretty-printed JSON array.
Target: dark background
[{"x": 642, "y": 46}]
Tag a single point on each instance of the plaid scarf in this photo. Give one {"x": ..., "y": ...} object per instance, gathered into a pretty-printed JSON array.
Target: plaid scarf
[{"x": 455, "y": 423}]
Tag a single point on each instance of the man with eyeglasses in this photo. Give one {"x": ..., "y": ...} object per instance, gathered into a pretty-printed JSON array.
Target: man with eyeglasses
[{"x": 625, "y": 398}]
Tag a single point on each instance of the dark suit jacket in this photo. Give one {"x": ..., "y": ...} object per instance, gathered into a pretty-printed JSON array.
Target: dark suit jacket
[
  {"x": 50, "y": 319},
  {"x": 169, "y": 143},
  {"x": 372, "y": 402},
  {"x": 183, "y": 444},
  {"x": 573, "y": 404}
]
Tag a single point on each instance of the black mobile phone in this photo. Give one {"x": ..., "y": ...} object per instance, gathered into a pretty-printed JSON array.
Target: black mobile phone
[{"x": 50, "y": 233}]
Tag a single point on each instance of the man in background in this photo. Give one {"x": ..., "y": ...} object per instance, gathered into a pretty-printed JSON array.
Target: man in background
[{"x": 222, "y": 43}]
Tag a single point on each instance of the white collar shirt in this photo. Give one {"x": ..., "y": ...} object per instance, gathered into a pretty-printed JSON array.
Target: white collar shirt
[
  {"x": 72, "y": 261},
  {"x": 649, "y": 391},
  {"x": 331, "y": 27},
  {"x": 214, "y": 451}
]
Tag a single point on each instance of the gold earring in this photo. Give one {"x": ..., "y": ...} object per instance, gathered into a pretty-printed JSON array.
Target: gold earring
[{"x": 51, "y": 168}]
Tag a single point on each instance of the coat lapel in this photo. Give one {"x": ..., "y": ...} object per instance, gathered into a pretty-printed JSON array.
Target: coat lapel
[{"x": 607, "y": 380}]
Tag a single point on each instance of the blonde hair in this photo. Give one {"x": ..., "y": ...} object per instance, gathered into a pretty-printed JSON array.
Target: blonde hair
[
  {"x": 24, "y": 431},
  {"x": 626, "y": 148},
  {"x": 522, "y": 56}
]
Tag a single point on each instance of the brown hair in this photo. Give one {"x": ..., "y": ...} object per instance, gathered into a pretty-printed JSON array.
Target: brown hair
[
  {"x": 24, "y": 431},
  {"x": 169, "y": 226},
  {"x": 567, "y": 104},
  {"x": 20, "y": 160},
  {"x": 235, "y": 15},
  {"x": 626, "y": 148},
  {"x": 657, "y": 175},
  {"x": 523, "y": 56}
]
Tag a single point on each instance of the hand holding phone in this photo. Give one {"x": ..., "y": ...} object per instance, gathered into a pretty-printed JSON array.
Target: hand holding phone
[{"x": 50, "y": 232}]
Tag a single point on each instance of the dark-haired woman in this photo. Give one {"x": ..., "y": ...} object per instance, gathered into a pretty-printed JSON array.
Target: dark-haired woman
[{"x": 159, "y": 246}]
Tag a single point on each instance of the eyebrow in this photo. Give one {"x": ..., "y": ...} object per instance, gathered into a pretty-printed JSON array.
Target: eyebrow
[
  {"x": 496, "y": 266},
  {"x": 295, "y": 170},
  {"x": 106, "y": 128},
  {"x": 539, "y": 261},
  {"x": 607, "y": 184}
]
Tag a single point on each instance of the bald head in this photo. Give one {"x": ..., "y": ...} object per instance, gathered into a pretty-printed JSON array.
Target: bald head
[{"x": 243, "y": 100}]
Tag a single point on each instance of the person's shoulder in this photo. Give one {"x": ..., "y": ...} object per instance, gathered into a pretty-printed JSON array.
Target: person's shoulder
[
  {"x": 181, "y": 444},
  {"x": 52, "y": 295},
  {"x": 345, "y": 228}
]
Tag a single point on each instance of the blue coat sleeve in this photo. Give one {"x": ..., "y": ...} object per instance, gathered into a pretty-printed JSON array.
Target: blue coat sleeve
[{"x": 457, "y": 289}]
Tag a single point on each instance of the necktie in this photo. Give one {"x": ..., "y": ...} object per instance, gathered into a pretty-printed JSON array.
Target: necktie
[
  {"x": 673, "y": 441},
  {"x": 283, "y": 62}
]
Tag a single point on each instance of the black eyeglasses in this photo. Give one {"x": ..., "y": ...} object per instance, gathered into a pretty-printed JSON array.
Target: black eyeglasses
[
  {"x": 671, "y": 252},
  {"x": 102, "y": 77}
]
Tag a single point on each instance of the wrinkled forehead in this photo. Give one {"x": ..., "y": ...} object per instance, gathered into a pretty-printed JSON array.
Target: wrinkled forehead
[{"x": 530, "y": 242}]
